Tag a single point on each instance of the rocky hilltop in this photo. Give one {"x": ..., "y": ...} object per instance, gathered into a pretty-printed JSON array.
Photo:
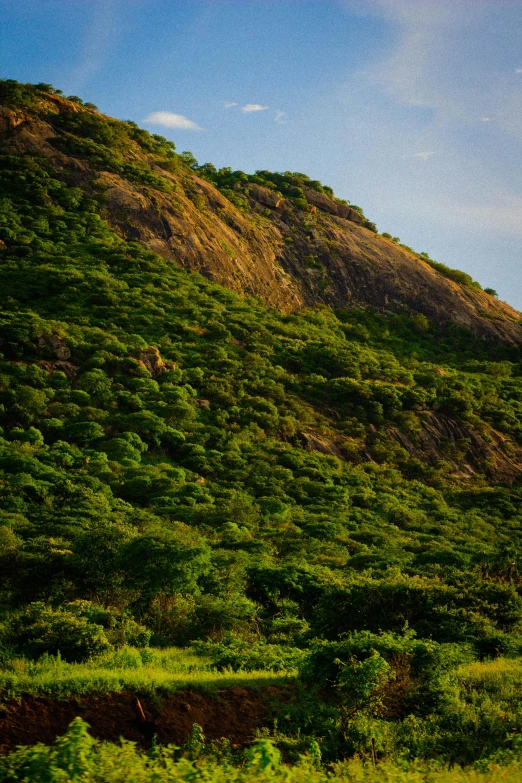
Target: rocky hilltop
[{"x": 290, "y": 251}]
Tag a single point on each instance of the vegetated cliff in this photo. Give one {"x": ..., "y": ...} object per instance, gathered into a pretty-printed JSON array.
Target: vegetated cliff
[{"x": 289, "y": 252}]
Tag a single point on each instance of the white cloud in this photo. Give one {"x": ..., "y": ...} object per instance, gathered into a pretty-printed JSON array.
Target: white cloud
[
  {"x": 249, "y": 107},
  {"x": 229, "y": 104},
  {"x": 170, "y": 120},
  {"x": 445, "y": 73},
  {"x": 420, "y": 71},
  {"x": 279, "y": 117},
  {"x": 518, "y": 70}
]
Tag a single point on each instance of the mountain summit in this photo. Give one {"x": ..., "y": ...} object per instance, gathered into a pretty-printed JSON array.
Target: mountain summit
[{"x": 282, "y": 237}]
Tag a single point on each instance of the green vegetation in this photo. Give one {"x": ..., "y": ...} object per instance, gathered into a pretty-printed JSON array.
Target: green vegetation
[
  {"x": 291, "y": 185},
  {"x": 144, "y": 670},
  {"x": 452, "y": 274},
  {"x": 325, "y": 495},
  {"x": 77, "y": 757}
]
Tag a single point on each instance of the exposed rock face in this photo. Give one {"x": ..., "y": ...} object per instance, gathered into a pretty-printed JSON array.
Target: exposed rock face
[
  {"x": 56, "y": 345},
  {"x": 287, "y": 257},
  {"x": 70, "y": 370},
  {"x": 321, "y": 201},
  {"x": 326, "y": 204},
  {"x": 265, "y": 196},
  {"x": 360, "y": 267},
  {"x": 201, "y": 230},
  {"x": 349, "y": 214},
  {"x": 312, "y": 442},
  {"x": 150, "y": 359},
  {"x": 444, "y": 438}
]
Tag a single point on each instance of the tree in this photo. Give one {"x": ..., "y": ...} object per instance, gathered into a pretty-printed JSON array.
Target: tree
[
  {"x": 166, "y": 561},
  {"x": 84, "y": 431}
]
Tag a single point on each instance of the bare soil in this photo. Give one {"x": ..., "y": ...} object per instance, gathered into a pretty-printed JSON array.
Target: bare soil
[{"x": 234, "y": 713}]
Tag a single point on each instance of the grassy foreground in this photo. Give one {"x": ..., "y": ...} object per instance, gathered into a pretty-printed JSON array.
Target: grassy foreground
[
  {"x": 77, "y": 757},
  {"x": 125, "y": 669}
]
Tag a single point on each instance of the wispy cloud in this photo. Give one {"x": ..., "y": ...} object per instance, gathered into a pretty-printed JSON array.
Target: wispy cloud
[
  {"x": 100, "y": 37},
  {"x": 229, "y": 104},
  {"x": 249, "y": 107},
  {"x": 170, "y": 120},
  {"x": 418, "y": 70},
  {"x": 498, "y": 210},
  {"x": 424, "y": 71},
  {"x": 279, "y": 115},
  {"x": 425, "y": 67},
  {"x": 420, "y": 155}
]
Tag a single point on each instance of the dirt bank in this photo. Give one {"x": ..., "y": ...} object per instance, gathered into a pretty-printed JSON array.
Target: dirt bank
[{"x": 233, "y": 712}]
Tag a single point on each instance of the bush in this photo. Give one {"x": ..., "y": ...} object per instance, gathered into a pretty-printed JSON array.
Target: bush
[
  {"x": 41, "y": 629},
  {"x": 127, "y": 658},
  {"x": 121, "y": 629},
  {"x": 241, "y": 655},
  {"x": 386, "y": 674}
]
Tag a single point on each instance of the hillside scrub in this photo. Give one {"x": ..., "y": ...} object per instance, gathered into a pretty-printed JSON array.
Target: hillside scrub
[{"x": 180, "y": 464}]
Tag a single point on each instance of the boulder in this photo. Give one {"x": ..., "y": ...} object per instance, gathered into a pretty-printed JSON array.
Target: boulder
[
  {"x": 321, "y": 201},
  {"x": 265, "y": 196},
  {"x": 348, "y": 213},
  {"x": 150, "y": 359},
  {"x": 56, "y": 345}
]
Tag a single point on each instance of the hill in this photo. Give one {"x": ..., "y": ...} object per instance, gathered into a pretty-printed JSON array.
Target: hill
[
  {"x": 309, "y": 485},
  {"x": 282, "y": 237}
]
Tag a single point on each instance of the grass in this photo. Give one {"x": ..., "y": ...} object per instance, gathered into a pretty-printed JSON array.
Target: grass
[
  {"x": 499, "y": 680},
  {"x": 497, "y": 683},
  {"x": 126, "y": 669}
]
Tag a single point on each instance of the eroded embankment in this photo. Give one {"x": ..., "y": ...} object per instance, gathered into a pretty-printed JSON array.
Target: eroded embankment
[{"x": 234, "y": 713}]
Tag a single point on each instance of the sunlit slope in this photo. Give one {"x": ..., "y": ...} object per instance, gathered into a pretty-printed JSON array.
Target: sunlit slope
[{"x": 284, "y": 238}]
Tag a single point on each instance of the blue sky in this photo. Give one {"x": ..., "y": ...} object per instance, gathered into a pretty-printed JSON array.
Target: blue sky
[{"x": 410, "y": 108}]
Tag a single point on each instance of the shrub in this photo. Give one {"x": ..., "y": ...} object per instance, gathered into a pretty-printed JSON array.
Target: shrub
[
  {"x": 84, "y": 431},
  {"x": 384, "y": 673},
  {"x": 124, "y": 658},
  {"x": 41, "y": 629},
  {"x": 121, "y": 629},
  {"x": 421, "y": 323},
  {"x": 241, "y": 655}
]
